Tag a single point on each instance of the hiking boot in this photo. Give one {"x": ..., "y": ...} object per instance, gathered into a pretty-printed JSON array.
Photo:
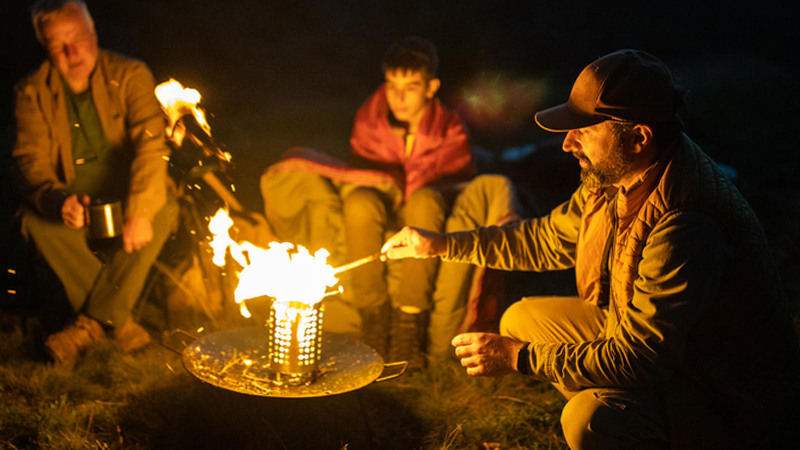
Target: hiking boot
[
  {"x": 375, "y": 328},
  {"x": 66, "y": 346},
  {"x": 407, "y": 340},
  {"x": 131, "y": 336}
]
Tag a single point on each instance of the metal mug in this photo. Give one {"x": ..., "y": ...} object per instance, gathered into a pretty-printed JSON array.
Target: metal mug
[{"x": 104, "y": 220}]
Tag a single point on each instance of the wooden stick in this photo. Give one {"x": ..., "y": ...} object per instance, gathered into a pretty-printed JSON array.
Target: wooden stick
[{"x": 360, "y": 262}]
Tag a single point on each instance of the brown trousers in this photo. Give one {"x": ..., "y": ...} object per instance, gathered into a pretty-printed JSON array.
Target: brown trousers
[{"x": 601, "y": 418}]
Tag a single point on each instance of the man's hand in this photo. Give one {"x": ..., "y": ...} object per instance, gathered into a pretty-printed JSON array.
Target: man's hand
[
  {"x": 487, "y": 354},
  {"x": 136, "y": 233},
  {"x": 73, "y": 211},
  {"x": 415, "y": 243}
]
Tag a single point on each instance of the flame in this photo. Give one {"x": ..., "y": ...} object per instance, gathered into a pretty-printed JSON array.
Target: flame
[
  {"x": 177, "y": 101},
  {"x": 275, "y": 272}
]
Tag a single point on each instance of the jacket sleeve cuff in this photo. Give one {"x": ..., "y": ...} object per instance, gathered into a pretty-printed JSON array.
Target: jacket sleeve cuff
[
  {"x": 51, "y": 203},
  {"x": 524, "y": 360}
]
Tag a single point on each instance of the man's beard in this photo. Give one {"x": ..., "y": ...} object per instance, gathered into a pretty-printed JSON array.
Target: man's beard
[{"x": 608, "y": 171}]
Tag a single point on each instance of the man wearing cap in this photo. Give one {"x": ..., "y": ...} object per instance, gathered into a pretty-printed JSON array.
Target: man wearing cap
[
  {"x": 680, "y": 336},
  {"x": 89, "y": 128}
]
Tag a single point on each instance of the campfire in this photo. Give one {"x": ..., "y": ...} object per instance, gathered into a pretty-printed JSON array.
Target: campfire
[
  {"x": 295, "y": 281},
  {"x": 292, "y": 280}
]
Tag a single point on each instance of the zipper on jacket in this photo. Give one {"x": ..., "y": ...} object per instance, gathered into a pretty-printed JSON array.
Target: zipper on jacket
[
  {"x": 606, "y": 295},
  {"x": 610, "y": 261}
]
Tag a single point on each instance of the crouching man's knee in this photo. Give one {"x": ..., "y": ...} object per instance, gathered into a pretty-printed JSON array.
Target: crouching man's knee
[{"x": 613, "y": 419}]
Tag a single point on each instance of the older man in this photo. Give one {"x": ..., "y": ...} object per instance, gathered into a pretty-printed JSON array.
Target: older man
[
  {"x": 89, "y": 128},
  {"x": 680, "y": 337}
]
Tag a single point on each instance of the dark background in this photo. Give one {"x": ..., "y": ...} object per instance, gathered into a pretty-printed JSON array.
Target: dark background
[{"x": 279, "y": 74}]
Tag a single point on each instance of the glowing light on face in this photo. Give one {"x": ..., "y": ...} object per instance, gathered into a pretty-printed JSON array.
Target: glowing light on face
[
  {"x": 601, "y": 153},
  {"x": 408, "y": 93},
  {"x": 71, "y": 44}
]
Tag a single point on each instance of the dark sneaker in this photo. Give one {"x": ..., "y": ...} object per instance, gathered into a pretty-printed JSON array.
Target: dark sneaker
[
  {"x": 66, "y": 346},
  {"x": 407, "y": 340},
  {"x": 131, "y": 336}
]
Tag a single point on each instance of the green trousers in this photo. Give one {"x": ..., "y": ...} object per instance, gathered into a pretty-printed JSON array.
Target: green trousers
[
  {"x": 106, "y": 291},
  {"x": 601, "y": 418}
]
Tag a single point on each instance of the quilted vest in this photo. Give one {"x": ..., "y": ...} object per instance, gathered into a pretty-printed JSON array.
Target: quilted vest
[{"x": 732, "y": 352}]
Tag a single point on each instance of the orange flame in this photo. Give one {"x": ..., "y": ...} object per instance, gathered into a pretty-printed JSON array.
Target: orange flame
[
  {"x": 177, "y": 101},
  {"x": 274, "y": 272}
]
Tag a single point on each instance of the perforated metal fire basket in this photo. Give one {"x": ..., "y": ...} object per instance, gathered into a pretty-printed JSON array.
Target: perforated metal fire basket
[{"x": 295, "y": 341}]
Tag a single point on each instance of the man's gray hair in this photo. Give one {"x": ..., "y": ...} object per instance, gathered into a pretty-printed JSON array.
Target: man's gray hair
[{"x": 44, "y": 9}]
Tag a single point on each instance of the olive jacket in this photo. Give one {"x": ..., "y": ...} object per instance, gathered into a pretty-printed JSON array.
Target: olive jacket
[
  {"x": 695, "y": 305},
  {"x": 132, "y": 120}
]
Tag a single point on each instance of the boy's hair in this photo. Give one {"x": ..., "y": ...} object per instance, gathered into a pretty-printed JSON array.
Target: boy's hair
[
  {"x": 42, "y": 10},
  {"x": 412, "y": 53}
]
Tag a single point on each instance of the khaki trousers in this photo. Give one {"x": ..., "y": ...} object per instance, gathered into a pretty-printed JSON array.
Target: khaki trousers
[
  {"x": 599, "y": 418},
  {"x": 366, "y": 221},
  {"x": 486, "y": 200},
  {"x": 107, "y": 291}
]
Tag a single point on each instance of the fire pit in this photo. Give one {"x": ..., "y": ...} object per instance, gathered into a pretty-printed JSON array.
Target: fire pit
[{"x": 239, "y": 360}]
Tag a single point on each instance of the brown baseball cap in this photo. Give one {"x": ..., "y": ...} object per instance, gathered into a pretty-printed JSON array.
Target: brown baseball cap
[{"x": 627, "y": 85}]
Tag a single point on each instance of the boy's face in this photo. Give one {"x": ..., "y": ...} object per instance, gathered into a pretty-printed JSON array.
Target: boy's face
[{"x": 408, "y": 93}]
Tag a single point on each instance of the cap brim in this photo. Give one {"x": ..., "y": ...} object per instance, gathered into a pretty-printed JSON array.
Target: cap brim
[{"x": 561, "y": 118}]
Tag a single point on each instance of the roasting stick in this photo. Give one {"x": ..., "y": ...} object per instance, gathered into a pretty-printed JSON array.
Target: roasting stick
[{"x": 360, "y": 262}]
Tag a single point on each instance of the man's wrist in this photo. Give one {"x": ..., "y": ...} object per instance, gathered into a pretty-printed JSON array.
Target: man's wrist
[{"x": 524, "y": 360}]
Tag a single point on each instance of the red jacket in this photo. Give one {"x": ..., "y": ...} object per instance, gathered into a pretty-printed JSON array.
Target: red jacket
[{"x": 441, "y": 150}]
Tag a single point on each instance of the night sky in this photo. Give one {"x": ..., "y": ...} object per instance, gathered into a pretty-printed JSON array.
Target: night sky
[{"x": 279, "y": 74}]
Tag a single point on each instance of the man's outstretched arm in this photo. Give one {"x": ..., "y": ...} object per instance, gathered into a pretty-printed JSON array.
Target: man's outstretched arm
[{"x": 415, "y": 243}]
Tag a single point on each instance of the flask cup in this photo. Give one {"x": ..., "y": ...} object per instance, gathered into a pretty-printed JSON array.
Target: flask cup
[{"x": 104, "y": 219}]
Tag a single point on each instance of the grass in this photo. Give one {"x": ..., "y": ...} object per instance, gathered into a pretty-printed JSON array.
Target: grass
[{"x": 112, "y": 400}]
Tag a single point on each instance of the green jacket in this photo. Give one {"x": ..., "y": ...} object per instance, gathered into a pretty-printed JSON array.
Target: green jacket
[
  {"x": 132, "y": 119},
  {"x": 695, "y": 305}
]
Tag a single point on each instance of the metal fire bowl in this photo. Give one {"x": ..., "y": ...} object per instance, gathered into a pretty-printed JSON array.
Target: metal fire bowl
[{"x": 220, "y": 359}]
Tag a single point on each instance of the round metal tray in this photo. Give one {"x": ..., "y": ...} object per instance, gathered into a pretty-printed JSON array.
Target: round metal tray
[{"x": 238, "y": 360}]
